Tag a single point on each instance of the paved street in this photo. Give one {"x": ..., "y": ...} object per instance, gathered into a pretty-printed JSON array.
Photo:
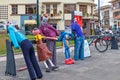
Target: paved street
[{"x": 100, "y": 66}]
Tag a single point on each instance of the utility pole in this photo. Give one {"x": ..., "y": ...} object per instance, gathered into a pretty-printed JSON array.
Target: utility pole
[
  {"x": 38, "y": 18},
  {"x": 99, "y": 13}
]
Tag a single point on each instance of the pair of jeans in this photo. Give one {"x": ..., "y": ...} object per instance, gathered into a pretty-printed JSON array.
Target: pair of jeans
[
  {"x": 79, "y": 48},
  {"x": 67, "y": 50}
]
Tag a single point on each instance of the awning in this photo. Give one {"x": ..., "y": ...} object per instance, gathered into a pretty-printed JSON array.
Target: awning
[{"x": 30, "y": 22}]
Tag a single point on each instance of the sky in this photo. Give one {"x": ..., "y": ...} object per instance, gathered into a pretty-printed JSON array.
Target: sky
[{"x": 103, "y": 2}]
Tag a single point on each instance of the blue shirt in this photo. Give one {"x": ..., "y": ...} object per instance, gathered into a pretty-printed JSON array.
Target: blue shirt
[
  {"x": 76, "y": 29},
  {"x": 64, "y": 35},
  {"x": 15, "y": 36}
]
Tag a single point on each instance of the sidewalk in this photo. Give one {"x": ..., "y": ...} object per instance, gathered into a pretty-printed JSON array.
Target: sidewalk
[
  {"x": 100, "y": 66},
  {"x": 20, "y": 55}
]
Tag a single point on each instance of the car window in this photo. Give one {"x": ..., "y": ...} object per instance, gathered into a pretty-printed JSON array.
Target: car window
[{"x": 1, "y": 27}]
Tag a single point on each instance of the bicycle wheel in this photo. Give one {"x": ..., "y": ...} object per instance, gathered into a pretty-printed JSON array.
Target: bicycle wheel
[{"x": 101, "y": 45}]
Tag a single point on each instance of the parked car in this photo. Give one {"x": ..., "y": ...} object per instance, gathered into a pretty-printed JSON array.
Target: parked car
[{"x": 3, "y": 27}]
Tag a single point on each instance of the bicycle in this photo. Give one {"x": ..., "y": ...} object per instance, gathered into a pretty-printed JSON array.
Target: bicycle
[
  {"x": 100, "y": 44},
  {"x": 108, "y": 37}
]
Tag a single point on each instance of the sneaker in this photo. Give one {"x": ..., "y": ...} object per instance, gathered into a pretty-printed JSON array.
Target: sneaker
[
  {"x": 54, "y": 68},
  {"x": 40, "y": 77},
  {"x": 33, "y": 79},
  {"x": 48, "y": 70},
  {"x": 67, "y": 62},
  {"x": 71, "y": 60}
]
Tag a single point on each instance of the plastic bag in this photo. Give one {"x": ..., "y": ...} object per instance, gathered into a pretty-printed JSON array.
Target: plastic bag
[{"x": 86, "y": 49}]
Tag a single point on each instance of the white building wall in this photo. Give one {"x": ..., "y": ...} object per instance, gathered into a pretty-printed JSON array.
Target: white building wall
[
  {"x": 88, "y": 9},
  {"x": 6, "y": 2},
  {"x": 67, "y": 16},
  {"x": 111, "y": 17},
  {"x": 62, "y": 21},
  {"x": 15, "y": 19},
  {"x": 21, "y": 9}
]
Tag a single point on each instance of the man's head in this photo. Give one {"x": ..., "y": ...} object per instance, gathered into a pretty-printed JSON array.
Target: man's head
[
  {"x": 46, "y": 15},
  {"x": 44, "y": 21},
  {"x": 35, "y": 31},
  {"x": 68, "y": 29}
]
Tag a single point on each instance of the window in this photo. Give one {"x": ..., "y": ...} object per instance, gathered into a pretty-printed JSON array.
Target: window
[
  {"x": 3, "y": 12},
  {"x": 102, "y": 13},
  {"x": 116, "y": 13},
  {"x": 68, "y": 8},
  {"x": 14, "y": 9},
  {"x": 84, "y": 25},
  {"x": 83, "y": 8},
  {"x": 91, "y": 9},
  {"x": 106, "y": 22},
  {"x": 30, "y": 9},
  {"x": 117, "y": 5},
  {"x": 106, "y": 14},
  {"x": 54, "y": 8},
  {"x": 48, "y": 8}
]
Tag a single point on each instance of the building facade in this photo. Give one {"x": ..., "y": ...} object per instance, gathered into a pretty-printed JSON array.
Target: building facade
[
  {"x": 23, "y": 12},
  {"x": 116, "y": 13},
  {"x": 106, "y": 16}
]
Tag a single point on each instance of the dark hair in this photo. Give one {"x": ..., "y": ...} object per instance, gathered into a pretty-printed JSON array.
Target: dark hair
[
  {"x": 35, "y": 28},
  {"x": 16, "y": 26}
]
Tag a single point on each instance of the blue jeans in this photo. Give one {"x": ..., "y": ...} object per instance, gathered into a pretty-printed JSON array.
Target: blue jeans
[
  {"x": 67, "y": 50},
  {"x": 79, "y": 48}
]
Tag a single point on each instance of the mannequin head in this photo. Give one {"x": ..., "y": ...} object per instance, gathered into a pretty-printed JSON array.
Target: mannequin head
[
  {"x": 35, "y": 31},
  {"x": 44, "y": 21}
]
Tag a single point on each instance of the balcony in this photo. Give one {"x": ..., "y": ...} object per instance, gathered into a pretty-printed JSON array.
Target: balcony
[
  {"x": 87, "y": 3},
  {"x": 115, "y": 14},
  {"x": 55, "y": 16},
  {"x": 106, "y": 17},
  {"x": 116, "y": 10},
  {"x": 117, "y": 17},
  {"x": 51, "y": 2},
  {"x": 89, "y": 16}
]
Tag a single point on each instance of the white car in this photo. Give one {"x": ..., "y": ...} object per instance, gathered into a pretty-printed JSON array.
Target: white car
[{"x": 3, "y": 27}]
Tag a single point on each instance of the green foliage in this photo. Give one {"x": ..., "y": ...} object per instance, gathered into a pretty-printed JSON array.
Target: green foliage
[
  {"x": 31, "y": 37},
  {"x": 3, "y": 38}
]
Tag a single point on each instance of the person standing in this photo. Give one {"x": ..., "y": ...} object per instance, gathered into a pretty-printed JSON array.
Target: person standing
[
  {"x": 79, "y": 41},
  {"x": 49, "y": 31},
  {"x": 19, "y": 40},
  {"x": 65, "y": 37},
  {"x": 43, "y": 53}
]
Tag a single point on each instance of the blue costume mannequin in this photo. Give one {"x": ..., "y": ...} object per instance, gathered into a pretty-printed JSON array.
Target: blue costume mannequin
[
  {"x": 79, "y": 41},
  {"x": 64, "y": 37},
  {"x": 19, "y": 40}
]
